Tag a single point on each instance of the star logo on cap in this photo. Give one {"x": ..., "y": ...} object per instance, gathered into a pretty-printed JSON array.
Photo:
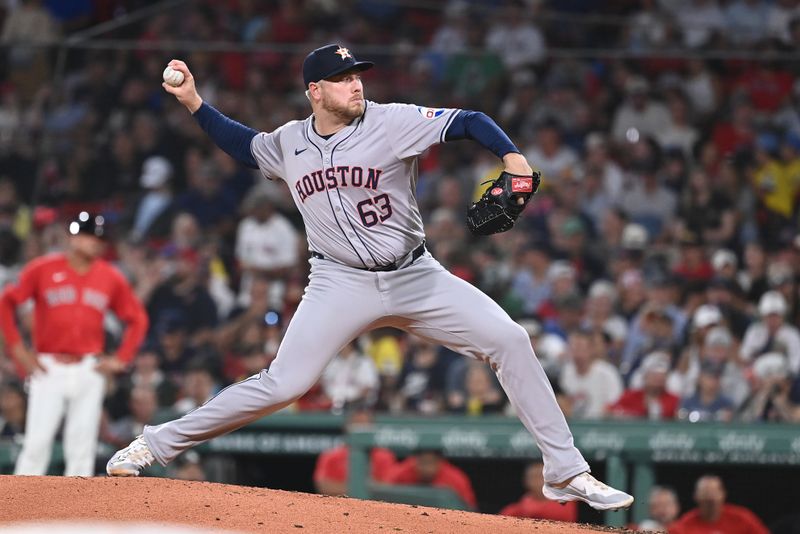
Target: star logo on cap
[{"x": 344, "y": 52}]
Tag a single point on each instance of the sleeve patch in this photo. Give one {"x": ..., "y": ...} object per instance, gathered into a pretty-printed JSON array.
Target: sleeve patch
[{"x": 430, "y": 113}]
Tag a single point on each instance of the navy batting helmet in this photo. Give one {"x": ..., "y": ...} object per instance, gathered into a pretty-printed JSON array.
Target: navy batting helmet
[{"x": 85, "y": 223}]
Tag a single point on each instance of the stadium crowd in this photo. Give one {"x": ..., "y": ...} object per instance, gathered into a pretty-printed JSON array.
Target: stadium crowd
[{"x": 656, "y": 271}]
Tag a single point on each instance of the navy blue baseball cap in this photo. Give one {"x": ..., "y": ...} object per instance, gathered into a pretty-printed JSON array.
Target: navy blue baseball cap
[{"x": 330, "y": 60}]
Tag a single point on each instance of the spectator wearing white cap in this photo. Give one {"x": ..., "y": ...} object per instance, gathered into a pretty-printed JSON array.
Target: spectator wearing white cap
[
  {"x": 781, "y": 278},
  {"x": 549, "y": 348},
  {"x": 771, "y": 333},
  {"x": 724, "y": 263},
  {"x": 590, "y": 382},
  {"x": 563, "y": 280},
  {"x": 152, "y": 212},
  {"x": 771, "y": 386},
  {"x": 599, "y": 315},
  {"x": 719, "y": 346},
  {"x": 705, "y": 318}
]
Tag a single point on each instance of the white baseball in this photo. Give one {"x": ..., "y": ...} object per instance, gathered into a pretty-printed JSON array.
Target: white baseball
[{"x": 173, "y": 77}]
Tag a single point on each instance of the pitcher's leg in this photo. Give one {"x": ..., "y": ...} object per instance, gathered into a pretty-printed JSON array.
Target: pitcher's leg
[
  {"x": 337, "y": 306},
  {"x": 45, "y": 410},
  {"x": 450, "y": 311}
]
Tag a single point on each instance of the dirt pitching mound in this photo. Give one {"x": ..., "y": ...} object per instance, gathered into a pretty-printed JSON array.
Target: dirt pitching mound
[{"x": 213, "y": 507}]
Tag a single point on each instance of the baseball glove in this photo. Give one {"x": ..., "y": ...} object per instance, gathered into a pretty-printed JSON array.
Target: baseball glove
[{"x": 499, "y": 207}]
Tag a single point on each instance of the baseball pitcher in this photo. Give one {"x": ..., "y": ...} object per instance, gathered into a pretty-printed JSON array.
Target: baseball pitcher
[
  {"x": 66, "y": 369},
  {"x": 351, "y": 167}
]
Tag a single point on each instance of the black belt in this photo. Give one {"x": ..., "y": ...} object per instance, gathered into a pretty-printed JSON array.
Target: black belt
[{"x": 415, "y": 255}]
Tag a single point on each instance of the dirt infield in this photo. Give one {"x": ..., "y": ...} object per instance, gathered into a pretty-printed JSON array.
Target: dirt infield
[{"x": 238, "y": 508}]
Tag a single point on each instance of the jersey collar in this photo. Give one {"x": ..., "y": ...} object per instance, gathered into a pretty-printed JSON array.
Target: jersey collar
[{"x": 344, "y": 132}]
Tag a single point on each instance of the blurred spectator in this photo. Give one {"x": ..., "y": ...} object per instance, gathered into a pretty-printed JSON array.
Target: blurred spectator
[
  {"x": 589, "y": 382},
  {"x": 474, "y": 73},
  {"x": 515, "y": 39},
  {"x": 663, "y": 508},
  {"x": 351, "y": 377},
  {"x": 701, "y": 86},
  {"x": 420, "y": 387},
  {"x": 678, "y": 133},
  {"x": 331, "y": 470},
  {"x": 746, "y": 21},
  {"x": 772, "y": 333},
  {"x": 725, "y": 264},
  {"x": 639, "y": 116},
  {"x": 708, "y": 403},
  {"x": 533, "y": 503},
  {"x": 28, "y": 23},
  {"x": 713, "y": 514},
  {"x": 242, "y": 317},
  {"x": 598, "y": 157},
  {"x": 653, "y": 330},
  {"x": 183, "y": 295},
  {"x": 770, "y": 398},
  {"x": 173, "y": 348},
  {"x": 429, "y": 468},
  {"x": 714, "y": 347},
  {"x": 706, "y": 213},
  {"x": 450, "y": 37},
  {"x": 478, "y": 394},
  {"x": 550, "y": 156},
  {"x": 153, "y": 214},
  {"x": 147, "y": 373},
  {"x": 531, "y": 282},
  {"x": 652, "y": 401},
  {"x": 549, "y": 348},
  {"x": 188, "y": 466},
  {"x": 779, "y": 17},
  {"x": 739, "y": 132},
  {"x": 143, "y": 405},
  {"x": 198, "y": 387},
  {"x": 266, "y": 244},
  {"x": 692, "y": 264},
  {"x": 205, "y": 198},
  {"x": 12, "y": 411},
  {"x": 775, "y": 184},
  {"x": 700, "y": 20},
  {"x": 753, "y": 278},
  {"x": 648, "y": 202}
]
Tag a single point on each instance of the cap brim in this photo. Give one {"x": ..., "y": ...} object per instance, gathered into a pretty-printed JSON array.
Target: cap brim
[{"x": 358, "y": 66}]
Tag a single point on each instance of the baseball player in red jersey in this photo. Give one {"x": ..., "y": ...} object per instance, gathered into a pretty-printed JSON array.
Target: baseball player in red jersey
[{"x": 71, "y": 292}]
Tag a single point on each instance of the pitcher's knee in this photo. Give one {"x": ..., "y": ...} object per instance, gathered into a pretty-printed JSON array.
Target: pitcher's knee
[
  {"x": 288, "y": 391},
  {"x": 514, "y": 343}
]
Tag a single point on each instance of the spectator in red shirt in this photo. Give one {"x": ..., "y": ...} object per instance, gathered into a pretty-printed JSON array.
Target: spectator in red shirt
[
  {"x": 652, "y": 401},
  {"x": 533, "y": 503},
  {"x": 429, "y": 468},
  {"x": 713, "y": 515},
  {"x": 331, "y": 471}
]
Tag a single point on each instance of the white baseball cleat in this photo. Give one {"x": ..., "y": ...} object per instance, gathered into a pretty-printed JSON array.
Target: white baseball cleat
[
  {"x": 129, "y": 462},
  {"x": 588, "y": 489}
]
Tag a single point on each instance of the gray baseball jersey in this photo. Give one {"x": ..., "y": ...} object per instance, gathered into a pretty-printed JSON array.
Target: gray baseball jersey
[{"x": 355, "y": 191}]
